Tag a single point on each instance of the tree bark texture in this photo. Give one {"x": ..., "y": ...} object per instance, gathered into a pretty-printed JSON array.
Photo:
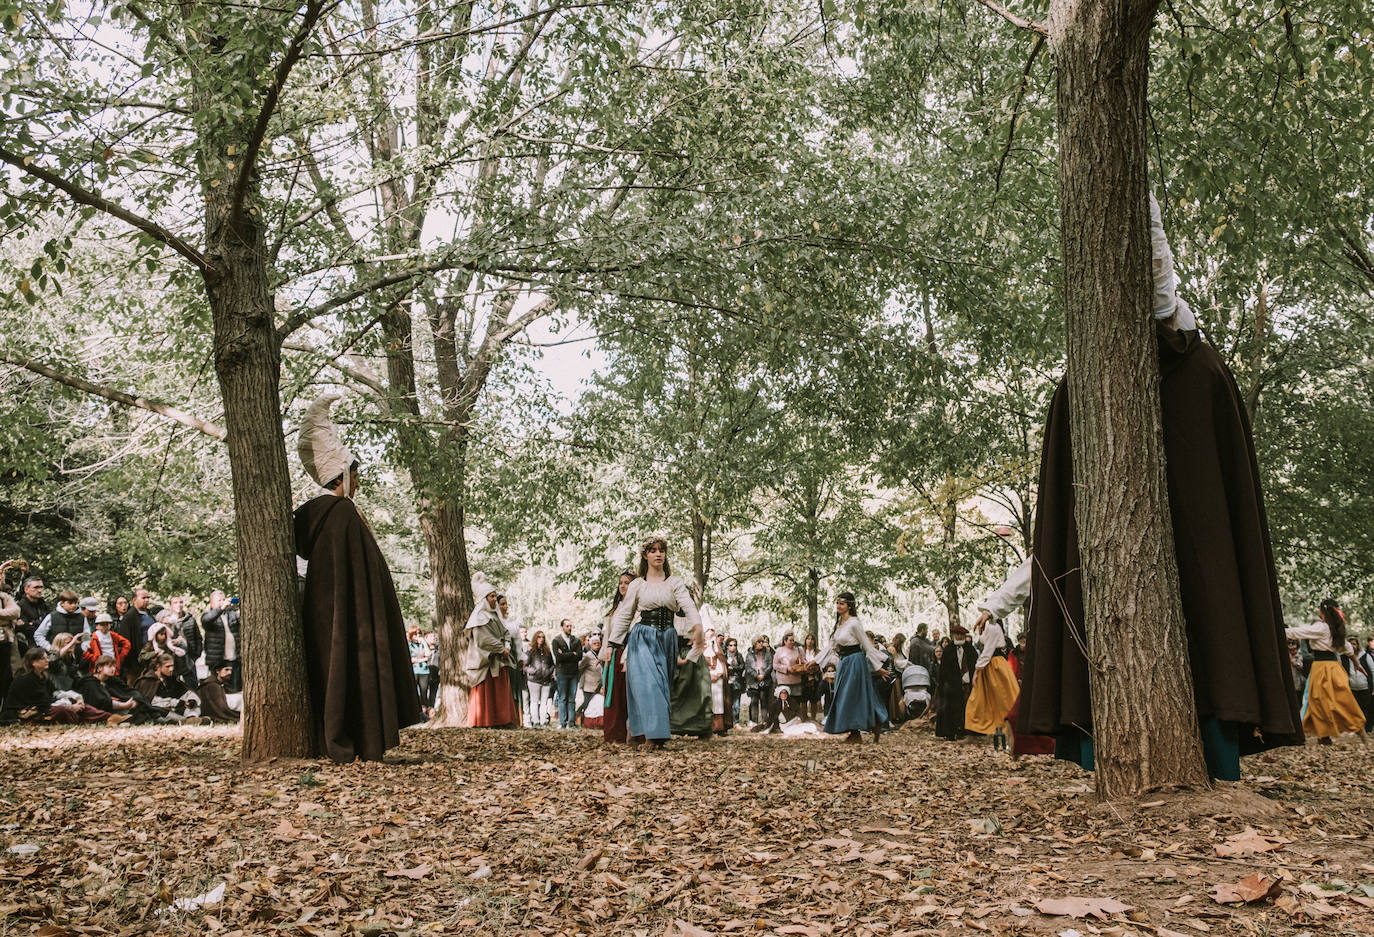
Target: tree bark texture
[
  {"x": 1144, "y": 717},
  {"x": 276, "y": 702}
]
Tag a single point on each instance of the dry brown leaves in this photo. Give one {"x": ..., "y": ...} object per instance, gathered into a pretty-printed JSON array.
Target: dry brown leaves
[{"x": 162, "y": 831}]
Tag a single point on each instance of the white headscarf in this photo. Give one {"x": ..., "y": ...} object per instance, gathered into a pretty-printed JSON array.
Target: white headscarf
[
  {"x": 322, "y": 452},
  {"x": 1168, "y": 307}
]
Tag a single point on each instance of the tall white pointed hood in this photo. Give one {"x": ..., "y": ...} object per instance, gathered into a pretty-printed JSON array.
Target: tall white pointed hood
[{"x": 322, "y": 452}]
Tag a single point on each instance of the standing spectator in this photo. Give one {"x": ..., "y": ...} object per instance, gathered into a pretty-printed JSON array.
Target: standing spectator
[
  {"x": 1296, "y": 665},
  {"x": 758, "y": 678},
  {"x": 65, "y": 619},
  {"x": 718, "y": 666},
  {"x": 567, "y": 656},
  {"x": 419, "y": 664},
  {"x": 811, "y": 678},
  {"x": 589, "y": 680},
  {"x": 33, "y": 608},
  {"x": 119, "y": 607},
  {"x": 186, "y": 628},
  {"x": 134, "y": 626},
  {"x": 220, "y": 623},
  {"x": 734, "y": 663},
  {"x": 1360, "y": 670},
  {"x": 519, "y": 691},
  {"x": 954, "y": 678},
  {"x": 432, "y": 694},
  {"x": 921, "y": 650},
  {"x": 11, "y": 658},
  {"x": 106, "y": 643},
  {"x": 539, "y": 670},
  {"x": 788, "y": 666}
]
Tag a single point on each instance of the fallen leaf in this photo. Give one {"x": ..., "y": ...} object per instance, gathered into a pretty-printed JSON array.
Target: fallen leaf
[
  {"x": 1080, "y": 907},
  {"x": 681, "y": 928},
  {"x": 1247, "y": 842},
  {"x": 1249, "y": 890},
  {"x": 419, "y": 872}
]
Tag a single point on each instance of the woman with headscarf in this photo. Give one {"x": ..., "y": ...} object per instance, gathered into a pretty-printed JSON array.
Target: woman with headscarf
[
  {"x": 857, "y": 708},
  {"x": 718, "y": 665},
  {"x": 488, "y": 661},
  {"x": 1328, "y": 706},
  {"x": 647, "y": 624}
]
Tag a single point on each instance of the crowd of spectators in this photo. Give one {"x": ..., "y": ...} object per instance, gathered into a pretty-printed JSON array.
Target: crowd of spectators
[{"x": 124, "y": 660}]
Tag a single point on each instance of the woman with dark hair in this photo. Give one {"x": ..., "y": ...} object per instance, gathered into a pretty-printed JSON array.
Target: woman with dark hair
[
  {"x": 613, "y": 674},
  {"x": 1328, "y": 706},
  {"x": 811, "y": 677},
  {"x": 653, "y": 602},
  {"x": 857, "y": 707},
  {"x": 120, "y": 606},
  {"x": 539, "y": 671}
]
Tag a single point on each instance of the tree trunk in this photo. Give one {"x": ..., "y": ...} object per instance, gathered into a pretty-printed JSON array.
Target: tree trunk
[
  {"x": 276, "y": 702},
  {"x": 1252, "y": 396},
  {"x": 950, "y": 524},
  {"x": 1144, "y": 717},
  {"x": 813, "y": 604},
  {"x": 442, "y": 523}
]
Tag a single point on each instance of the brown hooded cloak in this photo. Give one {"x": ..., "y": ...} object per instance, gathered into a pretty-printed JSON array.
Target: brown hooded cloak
[
  {"x": 1236, "y": 644},
  {"x": 362, "y": 690}
]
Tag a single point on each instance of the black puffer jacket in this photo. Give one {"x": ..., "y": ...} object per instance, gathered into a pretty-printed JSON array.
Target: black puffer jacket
[{"x": 214, "y": 621}]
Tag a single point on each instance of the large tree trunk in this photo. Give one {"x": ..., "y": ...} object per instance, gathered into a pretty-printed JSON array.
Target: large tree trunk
[
  {"x": 276, "y": 702},
  {"x": 1144, "y": 718}
]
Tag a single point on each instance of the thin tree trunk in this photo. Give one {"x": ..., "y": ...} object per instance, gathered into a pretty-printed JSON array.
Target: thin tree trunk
[
  {"x": 442, "y": 524},
  {"x": 1144, "y": 718},
  {"x": 1252, "y": 396},
  {"x": 813, "y": 604},
  {"x": 950, "y": 523}
]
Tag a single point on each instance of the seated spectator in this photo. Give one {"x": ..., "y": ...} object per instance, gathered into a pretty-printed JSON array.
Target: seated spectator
[
  {"x": 67, "y": 618},
  {"x": 64, "y": 661},
  {"x": 782, "y": 708},
  {"x": 106, "y": 643},
  {"x": 161, "y": 686},
  {"x": 30, "y": 699},
  {"x": 163, "y": 639},
  {"x": 214, "y": 702},
  {"x": 105, "y": 690}
]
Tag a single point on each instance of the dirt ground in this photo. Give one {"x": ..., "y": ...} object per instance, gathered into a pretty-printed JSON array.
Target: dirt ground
[{"x": 130, "y": 831}]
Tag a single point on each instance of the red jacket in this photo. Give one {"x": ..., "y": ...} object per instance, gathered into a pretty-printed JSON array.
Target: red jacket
[{"x": 93, "y": 651}]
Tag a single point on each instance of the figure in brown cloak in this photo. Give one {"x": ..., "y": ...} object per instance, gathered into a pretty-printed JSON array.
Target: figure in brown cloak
[
  {"x": 362, "y": 691},
  {"x": 1228, "y": 584}
]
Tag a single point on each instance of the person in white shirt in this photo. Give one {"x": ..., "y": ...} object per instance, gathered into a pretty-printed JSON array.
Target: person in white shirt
[
  {"x": 647, "y": 625},
  {"x": 1328, "y": 706},
  {"x": 856, "y": 707}
]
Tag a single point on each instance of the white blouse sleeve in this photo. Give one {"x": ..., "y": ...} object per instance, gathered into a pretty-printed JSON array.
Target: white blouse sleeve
[
  {"x": 1010, "y": 595},
  {"x": 875, "y": 656},
  {"x": 1312, "y": 631},
  {"x": 992, "y": 639},
  {"x": 623, "y": 615}
]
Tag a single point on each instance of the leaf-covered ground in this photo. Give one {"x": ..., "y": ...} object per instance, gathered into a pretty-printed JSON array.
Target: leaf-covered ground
[{"x": 126, "y": 831}]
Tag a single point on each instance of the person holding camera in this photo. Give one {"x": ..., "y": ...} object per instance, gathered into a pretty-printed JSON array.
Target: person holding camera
[{"x": 220, "y": 624}]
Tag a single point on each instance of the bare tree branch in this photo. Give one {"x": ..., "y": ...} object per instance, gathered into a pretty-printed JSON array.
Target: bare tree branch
[
  {"x": 118, "y": 396},
  {"x": 83, "y": 197},
  {"x": 1015, "y": 20}
]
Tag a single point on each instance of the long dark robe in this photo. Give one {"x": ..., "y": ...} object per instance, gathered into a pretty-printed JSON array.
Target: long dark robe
[
  {"x": 951, "y": 692},
  {"x": 1236, "y": 644},
  {"x": 362, "y": 691},
  {"x": 214, "y": 702}
]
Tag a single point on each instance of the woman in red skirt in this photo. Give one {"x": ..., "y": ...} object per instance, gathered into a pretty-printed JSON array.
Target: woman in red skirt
[{"x": 488, "y": 661}]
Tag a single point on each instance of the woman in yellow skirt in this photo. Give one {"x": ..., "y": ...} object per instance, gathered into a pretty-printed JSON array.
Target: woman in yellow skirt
[
  {"x": 994, "y": 687},
  {"x": 1328, "y": 706}
]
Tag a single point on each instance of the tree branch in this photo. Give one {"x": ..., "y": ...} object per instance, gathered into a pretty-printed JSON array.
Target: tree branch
[
  {"x": 1016, "y": 111},
  {"x": 313, "y": 10},
  {"x": 83, "y": 197},
  {"x": 118, "y": 396},
  {"x": 1015, "y": 20}
]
